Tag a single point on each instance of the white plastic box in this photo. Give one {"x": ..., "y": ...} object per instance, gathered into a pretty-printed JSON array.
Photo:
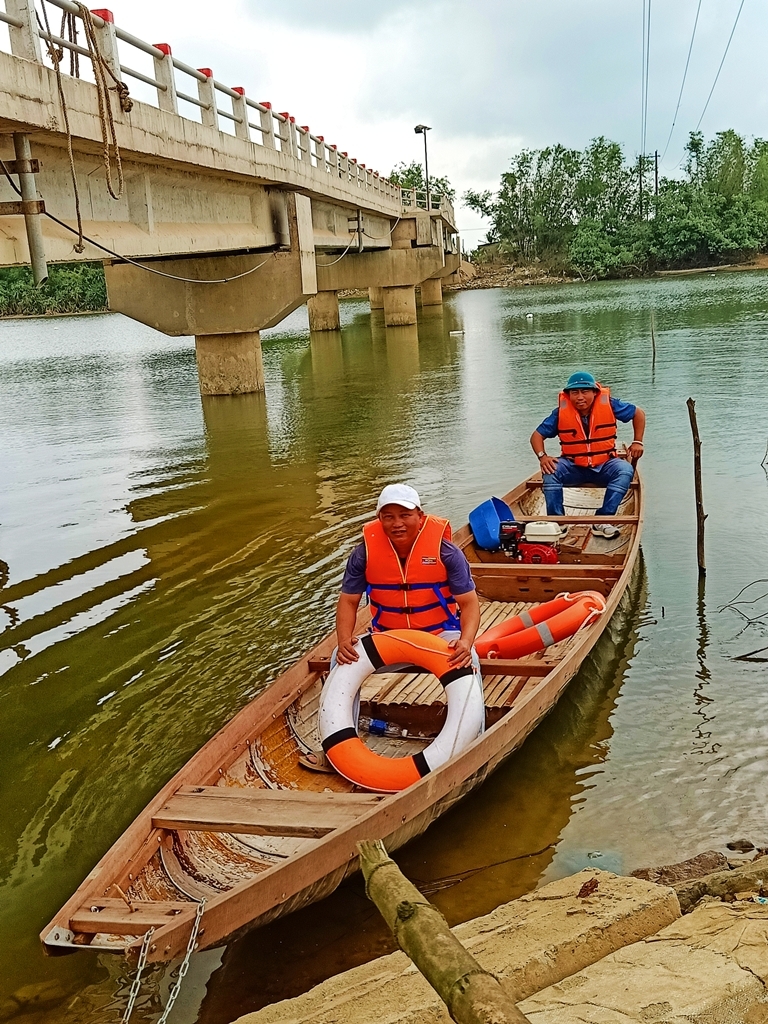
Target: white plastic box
[{"x": 542, "y": 533}]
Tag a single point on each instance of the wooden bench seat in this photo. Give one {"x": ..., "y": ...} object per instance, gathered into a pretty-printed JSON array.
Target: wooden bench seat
[
  {"x": 114, "y": 916},
  {"x": 264, "y": 812}
]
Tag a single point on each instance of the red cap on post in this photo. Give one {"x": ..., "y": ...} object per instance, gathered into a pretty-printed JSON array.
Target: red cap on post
[
  {"x": 266, "y": 103},
  {"x": 105, "y": 15},
  {"x": 239, "y": 90},
  {"x": 320, "y": 138},
  {"x": 165, "y": 47},
  {"x": 343, "y": 153},
  {"x": 206, "y": 71},
  {"x": 305, "y": 128}
]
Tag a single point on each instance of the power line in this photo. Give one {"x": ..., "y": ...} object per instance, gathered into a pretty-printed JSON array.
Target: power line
[
  {"x": 725, "y": 54},
  {"x": 644, "y": 79},
  {"x": 682, "y": 85}
]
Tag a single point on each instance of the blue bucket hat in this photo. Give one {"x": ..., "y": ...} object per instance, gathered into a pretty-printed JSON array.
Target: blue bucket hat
[{"x": 581, "y": 379}]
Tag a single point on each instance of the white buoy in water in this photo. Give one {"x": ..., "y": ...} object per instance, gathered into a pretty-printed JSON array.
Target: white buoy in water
[
  {"x": 529, "y": 316},
  {"x": 455, "y": 332}
]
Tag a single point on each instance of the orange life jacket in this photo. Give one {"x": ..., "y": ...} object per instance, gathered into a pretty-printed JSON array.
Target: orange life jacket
[
  {"x": 597, "y": 447},
  {"x": 413, "y": 596}
]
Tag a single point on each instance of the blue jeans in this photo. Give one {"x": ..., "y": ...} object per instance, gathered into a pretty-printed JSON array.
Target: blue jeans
[{"x": 615, "y": 476}]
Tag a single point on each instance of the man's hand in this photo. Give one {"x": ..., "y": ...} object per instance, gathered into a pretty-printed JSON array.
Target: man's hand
[
  {"x": 462, "y": 653},
  {"x": 548, "y": 464},
  {"x": 634, "y": 452},
  {"x": 346, "y": 653}
]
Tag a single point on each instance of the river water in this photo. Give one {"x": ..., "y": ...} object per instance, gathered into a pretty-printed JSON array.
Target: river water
[{"x": 163, "y": 558}]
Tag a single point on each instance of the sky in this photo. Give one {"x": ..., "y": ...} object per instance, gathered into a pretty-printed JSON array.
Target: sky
[{"x": 489, "y": 76}]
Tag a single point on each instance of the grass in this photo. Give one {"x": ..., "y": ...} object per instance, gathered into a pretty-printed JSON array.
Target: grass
[{"x": 70, "y": 288}]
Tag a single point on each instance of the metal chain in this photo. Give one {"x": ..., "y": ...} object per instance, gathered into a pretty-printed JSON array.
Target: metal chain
[
  {"x": 136, "y": 985},
  {"x": 185, "y": 963}
]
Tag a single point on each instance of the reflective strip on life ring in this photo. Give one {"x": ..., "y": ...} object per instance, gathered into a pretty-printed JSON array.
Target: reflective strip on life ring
[
  {"x": 542, "y": 626},
  {"x": 465, "y": 718}
]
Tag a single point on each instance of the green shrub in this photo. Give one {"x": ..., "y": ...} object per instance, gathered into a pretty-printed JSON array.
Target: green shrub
[{"x": 70, "y": 288}]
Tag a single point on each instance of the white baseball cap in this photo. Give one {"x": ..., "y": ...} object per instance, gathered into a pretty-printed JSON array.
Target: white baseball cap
[{"x": 398, "y": 494}]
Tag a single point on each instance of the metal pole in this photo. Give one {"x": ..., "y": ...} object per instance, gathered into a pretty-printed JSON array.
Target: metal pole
[
  {"x": 32, "y": 220},
  {"x": 641, "y": 186},
  {"x": 426, "y": 171},
  {"x": 656, "y": 158}
]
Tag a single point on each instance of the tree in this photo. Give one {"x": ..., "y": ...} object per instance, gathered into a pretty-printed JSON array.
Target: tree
[{"x": 412, "y": 176}]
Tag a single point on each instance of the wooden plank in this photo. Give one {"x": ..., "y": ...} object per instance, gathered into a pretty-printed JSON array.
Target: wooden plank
[
  {"x": 539, "y": 588},
  {"x": 261, "y": 812},
  {"x": 573, "y": 520},
  {"x": 114, "y": 916},
  {"x": 498, "y": 666},
  {"x": 512, "y": 667},
  {"x": 517, "y": 570}
]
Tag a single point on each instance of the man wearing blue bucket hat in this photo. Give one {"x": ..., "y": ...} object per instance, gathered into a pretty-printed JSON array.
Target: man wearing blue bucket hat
[{"x": 585, "y": 423}]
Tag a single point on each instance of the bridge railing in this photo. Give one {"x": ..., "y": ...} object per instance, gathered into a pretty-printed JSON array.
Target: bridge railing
[
  {"x": 417, "y": 198},
  {"x": 253, "y": 121}
]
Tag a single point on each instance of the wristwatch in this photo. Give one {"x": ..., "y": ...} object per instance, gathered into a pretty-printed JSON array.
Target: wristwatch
[{"x": 541, "y": 455}]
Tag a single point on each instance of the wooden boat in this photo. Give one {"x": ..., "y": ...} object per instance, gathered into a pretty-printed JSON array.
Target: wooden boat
[{"x": 245, "y": 826}]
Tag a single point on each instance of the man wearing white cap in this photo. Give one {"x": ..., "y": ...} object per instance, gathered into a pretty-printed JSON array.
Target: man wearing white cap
[{"x": 414, "y": 576}]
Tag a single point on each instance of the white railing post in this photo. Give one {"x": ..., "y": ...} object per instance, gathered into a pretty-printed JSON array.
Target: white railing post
[
  {"x": 25, "y": 40},
  {"x": 305, "y": 143},
  {"x": 108, "y": 40},
  {"x": 240, "y": 112},
  {"x": 166, "y": 98},
  {"x": 267, "y": 125},
  {"x": 207, "y": 96},
  {"x": 333, "y": 160}
]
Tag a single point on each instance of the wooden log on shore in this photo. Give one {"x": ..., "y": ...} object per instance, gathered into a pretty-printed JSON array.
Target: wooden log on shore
[
  {"x": 471, "y": 995},
  {"x": 700, "y": 514}
]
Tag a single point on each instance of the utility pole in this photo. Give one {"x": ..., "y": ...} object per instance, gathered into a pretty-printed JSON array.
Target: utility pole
[
  {"x": 656, "y": 159},
  {"x": 640, "y": 164},
  {"x": 422, "y": 129}
]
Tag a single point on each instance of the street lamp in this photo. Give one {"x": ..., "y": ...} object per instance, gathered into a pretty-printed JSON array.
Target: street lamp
[{"x": 422, "y": 129}]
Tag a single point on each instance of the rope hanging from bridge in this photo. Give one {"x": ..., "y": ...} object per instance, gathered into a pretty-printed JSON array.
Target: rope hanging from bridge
[
  {"x": 56, "y": 56},
  {"x": 101, "y": 70}
]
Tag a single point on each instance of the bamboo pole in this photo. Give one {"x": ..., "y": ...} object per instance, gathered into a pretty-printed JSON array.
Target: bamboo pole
[
  {"x": 471, "y": 995},
  {"x": 700, "y": 514}
]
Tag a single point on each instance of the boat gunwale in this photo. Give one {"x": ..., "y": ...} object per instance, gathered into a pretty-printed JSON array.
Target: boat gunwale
[{"x": 340, "y": 846}]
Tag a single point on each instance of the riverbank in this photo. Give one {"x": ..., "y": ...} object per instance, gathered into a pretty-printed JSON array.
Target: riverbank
[
  {"x": 595, "y": 945},
  {"x": 70, "y": 288},
  {"x": 500, "y": 274}
]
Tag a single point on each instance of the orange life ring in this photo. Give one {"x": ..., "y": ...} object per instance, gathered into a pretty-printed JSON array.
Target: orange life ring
[
  {"x": 542, "y": 626},
  {"x": 465, "y": 718}
]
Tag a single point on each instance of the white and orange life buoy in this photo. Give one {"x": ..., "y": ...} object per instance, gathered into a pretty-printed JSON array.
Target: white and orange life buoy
[
  {"x": 465, "y": 719},
  {"x": 543, "y": 625}
]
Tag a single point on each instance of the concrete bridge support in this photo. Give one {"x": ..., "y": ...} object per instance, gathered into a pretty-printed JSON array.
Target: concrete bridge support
[
  {"x": 229, "y": 364},
  {"x": 432, "y": 292},
  {"x": 399, "y": 306},
  {"x": 376, "y": 298},
  {"x": 260, "y": 290},
  {"x": 323, "y": 310}
]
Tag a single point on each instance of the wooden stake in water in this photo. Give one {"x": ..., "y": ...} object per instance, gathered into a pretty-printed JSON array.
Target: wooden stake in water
[
  {"x": 700, "y": 514},
  {"x": 471, "y": 995},
  {"x": 653, "y": 341}
]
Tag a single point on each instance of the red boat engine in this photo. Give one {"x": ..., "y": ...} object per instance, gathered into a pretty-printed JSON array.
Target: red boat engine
[{"x": 537, "y": 554}]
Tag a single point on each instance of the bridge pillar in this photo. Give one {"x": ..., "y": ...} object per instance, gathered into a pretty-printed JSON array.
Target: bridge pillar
[
  {"x": 323, "y": 310},
  {"x": 431, "y": 292},
  {"x": 229, "y": 364},
  {"x": 376, "y": 298},
  {"x": 399, "y": 306}
]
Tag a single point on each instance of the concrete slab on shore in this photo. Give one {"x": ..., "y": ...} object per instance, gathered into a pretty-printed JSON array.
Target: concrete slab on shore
[
  {"x": 530, "y": 944},
  {"x": 709, "y": 967}
]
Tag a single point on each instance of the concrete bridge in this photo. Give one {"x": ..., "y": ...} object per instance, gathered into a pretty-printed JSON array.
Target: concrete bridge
[{"x": 228, "y": 214}]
